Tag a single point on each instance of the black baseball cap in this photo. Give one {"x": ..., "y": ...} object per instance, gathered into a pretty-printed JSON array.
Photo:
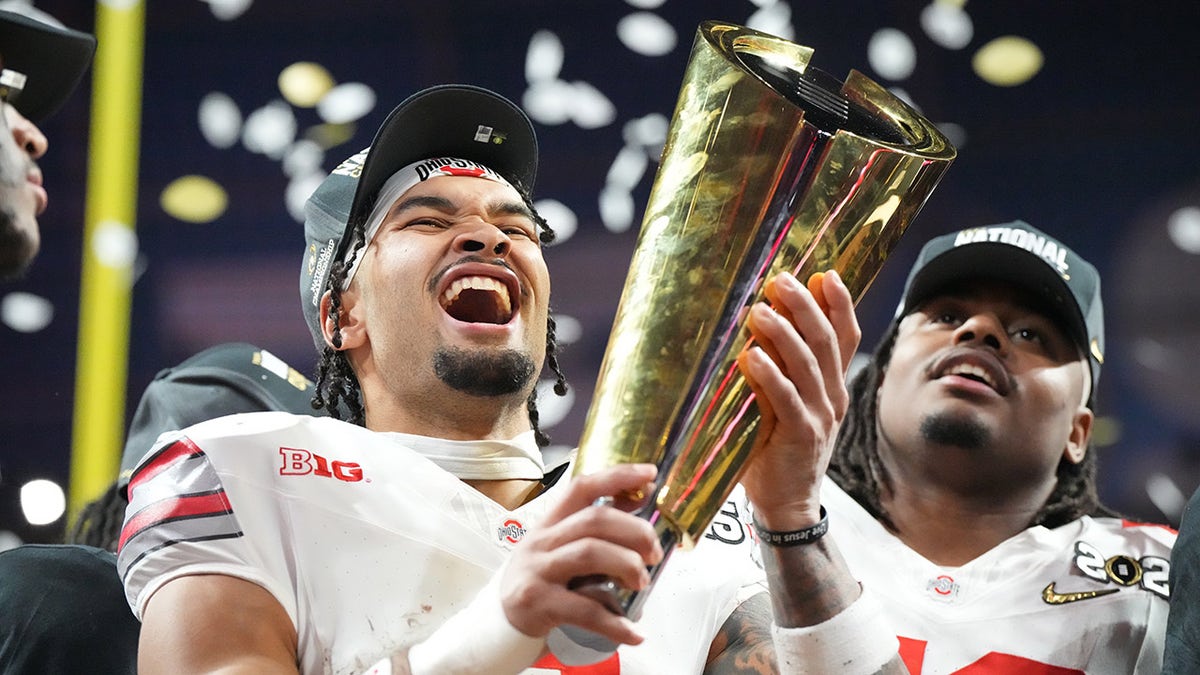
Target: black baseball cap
[
  {"x": 454, "y": 120},
  {"x": 229, "y": 378},
  {"x": 51, "y": 56},
  {"x": 1026, "y": 257}
]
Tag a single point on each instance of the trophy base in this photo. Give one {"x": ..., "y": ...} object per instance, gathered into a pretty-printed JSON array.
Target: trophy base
[{"x": 574, "y": 646}]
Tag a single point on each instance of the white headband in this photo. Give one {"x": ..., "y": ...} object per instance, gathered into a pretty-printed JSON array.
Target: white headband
[{"x": 404, "y": 180}]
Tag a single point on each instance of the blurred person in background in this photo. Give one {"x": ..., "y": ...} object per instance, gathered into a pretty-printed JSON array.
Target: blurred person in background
[
  {"x": 42, "y": 62},
  {"x": 1183, "y": 625},
  {"x": 62, "y": 607}
]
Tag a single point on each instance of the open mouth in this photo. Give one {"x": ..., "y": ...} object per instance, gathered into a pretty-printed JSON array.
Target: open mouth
[
  {"x": 478, "y": 299},
  {"x": 977, "y": 367},
  {"x": 971, "y": 373}
]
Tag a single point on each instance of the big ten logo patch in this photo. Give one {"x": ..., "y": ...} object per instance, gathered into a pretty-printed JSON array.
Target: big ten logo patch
[
  {"x": 727, "y": 526},
  {"x": 1150, "y": 573},
  {"x": 299, "y": 462}
]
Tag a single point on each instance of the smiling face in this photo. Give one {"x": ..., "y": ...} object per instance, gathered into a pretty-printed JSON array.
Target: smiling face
[
  {"x": 981, "y": 384},
  {"x": 22, "y": 198},
  {"x": 450, "y": 303}
]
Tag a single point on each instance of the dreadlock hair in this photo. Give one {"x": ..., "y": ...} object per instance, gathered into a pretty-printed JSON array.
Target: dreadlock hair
[
  {"x": 99, "y": 523},
  {"x": 336, "y": 383},
  {"x": 857, "y": 469}
]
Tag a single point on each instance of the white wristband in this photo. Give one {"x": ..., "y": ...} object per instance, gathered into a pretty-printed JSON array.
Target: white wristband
[
  {"x": 857, "y": 641},
  {"x": 478, "y": 639}
]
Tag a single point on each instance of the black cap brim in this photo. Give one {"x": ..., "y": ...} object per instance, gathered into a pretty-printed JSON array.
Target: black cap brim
[
  {"x": 445, "y": 121},
  {"x": 1005, "y": 263},
  {"x": 53, "y": 58}
]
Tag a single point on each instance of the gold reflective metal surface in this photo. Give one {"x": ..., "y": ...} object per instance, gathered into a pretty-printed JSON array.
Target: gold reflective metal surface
[{"x": 748, "y": 186}]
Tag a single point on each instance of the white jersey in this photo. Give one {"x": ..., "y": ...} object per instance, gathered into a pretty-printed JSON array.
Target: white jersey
[
  {"x": 369, "y": 546},
  {"x": 1086, "y": 597}
]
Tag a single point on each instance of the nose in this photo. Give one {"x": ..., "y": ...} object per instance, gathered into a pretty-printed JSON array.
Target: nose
[
  {"x": 27, "y": 135},
  {"x": 483, "y": 238},
  {"x": 983, "y": 328}
]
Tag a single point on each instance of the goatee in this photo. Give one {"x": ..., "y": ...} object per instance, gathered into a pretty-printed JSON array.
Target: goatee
[
  {"x": 955, "y": 430},
  {"x": 16, "y": 248},
  {"x": 483, "y": 372}
]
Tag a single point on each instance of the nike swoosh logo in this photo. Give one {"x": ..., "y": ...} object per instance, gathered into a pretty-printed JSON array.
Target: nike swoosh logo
[{"x": 1053, "y": 598}]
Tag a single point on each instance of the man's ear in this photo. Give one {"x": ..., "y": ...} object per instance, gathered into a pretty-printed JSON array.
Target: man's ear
[
  {"x": 352, "y": 329},
  {"x": 1081, "y": 435}
]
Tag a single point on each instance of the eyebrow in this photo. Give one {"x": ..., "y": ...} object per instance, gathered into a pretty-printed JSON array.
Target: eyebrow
[{"x": 498, "y": 207}]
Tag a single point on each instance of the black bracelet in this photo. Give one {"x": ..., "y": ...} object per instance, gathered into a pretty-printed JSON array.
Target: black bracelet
[{"x": 796, "y": 537}]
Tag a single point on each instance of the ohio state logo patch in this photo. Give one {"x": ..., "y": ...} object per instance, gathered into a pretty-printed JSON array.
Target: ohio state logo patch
[
  {"x": 943, "y": 587},
  {"x": 511, "y": 531}
]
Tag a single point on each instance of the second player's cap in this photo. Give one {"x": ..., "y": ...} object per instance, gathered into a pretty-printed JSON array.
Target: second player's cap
[{"x": 223, "y": 380}]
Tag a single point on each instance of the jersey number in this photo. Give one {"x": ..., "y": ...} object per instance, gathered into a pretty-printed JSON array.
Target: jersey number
[{"x": 548, "y": 665}]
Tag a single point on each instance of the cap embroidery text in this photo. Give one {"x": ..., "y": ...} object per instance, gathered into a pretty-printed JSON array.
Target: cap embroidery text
[
  {"x": 318, "y": 280},
  {"x": 1038, "y": 245},
  {"x": 353, "y": 165}
]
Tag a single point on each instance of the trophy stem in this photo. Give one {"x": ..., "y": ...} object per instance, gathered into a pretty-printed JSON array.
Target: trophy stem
[
  {"x": 574, "y": 646},
  {"x": 620, "y": 600}
]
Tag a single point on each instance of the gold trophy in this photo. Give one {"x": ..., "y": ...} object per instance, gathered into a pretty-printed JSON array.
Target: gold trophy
[{"x": 769, "y": 166}]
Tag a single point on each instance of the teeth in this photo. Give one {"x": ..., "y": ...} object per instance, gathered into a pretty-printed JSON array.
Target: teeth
[
  {"x": 972, "y": 371},
  {"x": 479, "y": 284}
]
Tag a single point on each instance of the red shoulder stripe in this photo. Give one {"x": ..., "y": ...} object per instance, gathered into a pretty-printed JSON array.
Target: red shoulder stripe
[
  {"x": 186, "y": 506},
  {"x": 163, "y": 460},
  {"x": 1134, "y": 523}
]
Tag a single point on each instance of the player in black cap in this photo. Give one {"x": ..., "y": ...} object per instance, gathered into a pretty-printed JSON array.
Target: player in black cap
[
  {"x": 41, "y": 62},
  {"x": 423, "y": 531},
  {"x": 964, "y": 491}
]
